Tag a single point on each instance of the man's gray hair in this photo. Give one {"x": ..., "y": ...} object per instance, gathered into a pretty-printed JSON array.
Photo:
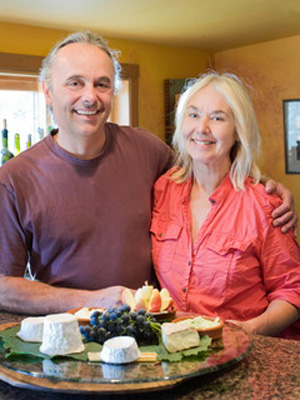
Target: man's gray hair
[{"x": 80, "y": 37}]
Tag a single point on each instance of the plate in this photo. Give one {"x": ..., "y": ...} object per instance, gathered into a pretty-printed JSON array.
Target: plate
[
  {"x": 83, "y": 377},
  {"x": 167, "y": 315},
  {"x": 214, "y": 332}
]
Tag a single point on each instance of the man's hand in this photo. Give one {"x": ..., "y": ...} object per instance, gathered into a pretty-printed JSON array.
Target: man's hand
[
  {"x": 284, "y": 215},
  {"x": 108, "y": 297}
]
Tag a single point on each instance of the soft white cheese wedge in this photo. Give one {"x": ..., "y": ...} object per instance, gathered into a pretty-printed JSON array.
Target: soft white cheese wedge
[
  {"x": 179, "y": 336},
  {"x": 120, "y": 350},
  {"x": 85, "y": 312},
  {"x": 61, "y": 335},
  {"x": 31, "y": 329}
]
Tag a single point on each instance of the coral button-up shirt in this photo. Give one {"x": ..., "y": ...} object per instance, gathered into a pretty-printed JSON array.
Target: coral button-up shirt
[{"x": 238, "y": 263}]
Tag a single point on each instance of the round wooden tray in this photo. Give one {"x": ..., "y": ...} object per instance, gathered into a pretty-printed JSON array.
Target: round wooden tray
[{"x": 236, "y": 346}]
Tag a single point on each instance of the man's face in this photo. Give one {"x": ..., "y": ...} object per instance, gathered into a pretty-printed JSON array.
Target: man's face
[{"x": 81, "y": 92}]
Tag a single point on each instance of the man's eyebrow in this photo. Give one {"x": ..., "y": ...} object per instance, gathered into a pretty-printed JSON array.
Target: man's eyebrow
[
  {"x": 104, "y": 78},
  {"x": 100, "y": 78},
  {"x": 75, "y": 76}
]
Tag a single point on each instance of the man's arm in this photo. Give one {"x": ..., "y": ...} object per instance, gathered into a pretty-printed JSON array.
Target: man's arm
[
  {"x": 36, "y": 298},
  {"x": 284, "y": 215}
]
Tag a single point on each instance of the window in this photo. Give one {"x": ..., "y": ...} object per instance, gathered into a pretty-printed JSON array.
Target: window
[{"x": 23, "y": 106}]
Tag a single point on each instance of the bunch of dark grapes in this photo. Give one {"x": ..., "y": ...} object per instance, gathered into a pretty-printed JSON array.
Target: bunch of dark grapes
[{"x": 121, "y": 322}]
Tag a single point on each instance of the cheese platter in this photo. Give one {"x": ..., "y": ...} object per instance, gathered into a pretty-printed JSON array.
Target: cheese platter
[
  {"x": 120, "y": 349},
  {"x": 74, "y": 376}
]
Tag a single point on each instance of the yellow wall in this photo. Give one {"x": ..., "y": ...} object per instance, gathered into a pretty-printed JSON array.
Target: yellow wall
[
  {"x": 272, "y": 69},
  {"x": 156, "y": 64}
]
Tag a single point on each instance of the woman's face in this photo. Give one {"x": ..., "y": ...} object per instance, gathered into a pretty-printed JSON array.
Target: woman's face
[{"x": 209, "y": 128}]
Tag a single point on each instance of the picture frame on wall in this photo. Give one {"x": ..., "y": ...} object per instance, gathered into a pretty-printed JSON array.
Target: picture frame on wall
[
  {"x": 173, "y": 89},
  {"x": 291, "y": 119}
]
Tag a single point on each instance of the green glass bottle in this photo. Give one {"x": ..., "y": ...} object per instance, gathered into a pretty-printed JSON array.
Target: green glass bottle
[
  {"x": 17, "y": 144},
  {"x": 5, "y": 153},
  {"x": 29, "y": 140}
]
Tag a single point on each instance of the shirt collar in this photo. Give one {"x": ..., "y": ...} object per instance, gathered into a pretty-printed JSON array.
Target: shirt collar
[
  {"x": 217, "y": 197},
  {"x": 222, "y": 191}
]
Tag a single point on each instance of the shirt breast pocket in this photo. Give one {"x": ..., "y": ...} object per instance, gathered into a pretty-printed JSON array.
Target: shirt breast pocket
[
  {"x": 235, "y": 258},
  {"x": 223, "y": 245},
  {"x": 164, "y": 237}
]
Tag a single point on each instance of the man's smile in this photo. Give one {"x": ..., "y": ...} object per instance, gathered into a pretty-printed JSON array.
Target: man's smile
[{"x": 86, "y": 112}]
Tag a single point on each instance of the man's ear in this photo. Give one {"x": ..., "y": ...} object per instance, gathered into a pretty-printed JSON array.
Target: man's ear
[{"x": 47, "y": 93}]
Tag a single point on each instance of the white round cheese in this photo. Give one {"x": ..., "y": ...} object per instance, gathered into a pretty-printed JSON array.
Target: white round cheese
[
  {"x": 61, "y": 335},
  {"x": 120, "y": 350},
  {"x": 31, "y": 329}
]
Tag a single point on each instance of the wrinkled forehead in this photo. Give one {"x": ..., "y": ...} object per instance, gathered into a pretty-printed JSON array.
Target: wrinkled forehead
[{"x": 83, "y": 59}]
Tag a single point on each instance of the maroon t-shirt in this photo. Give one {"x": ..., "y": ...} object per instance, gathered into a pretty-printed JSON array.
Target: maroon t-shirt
[{"x": 82, "y": 223}]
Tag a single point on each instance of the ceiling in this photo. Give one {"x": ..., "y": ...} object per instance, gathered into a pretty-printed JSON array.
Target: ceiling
[{"x": 211, "y": 25}]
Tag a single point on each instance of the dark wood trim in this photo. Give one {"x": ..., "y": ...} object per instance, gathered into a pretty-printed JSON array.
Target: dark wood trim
[
  {"x": 19, "y": 82},
  {"x": 131, "y": 72},
  {"x": 19, "y": 63}
]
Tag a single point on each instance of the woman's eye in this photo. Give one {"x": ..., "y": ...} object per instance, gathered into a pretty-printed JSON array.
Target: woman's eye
[
  {"x": 218, "y": 118},
  {"x": 193, "y": 115}
]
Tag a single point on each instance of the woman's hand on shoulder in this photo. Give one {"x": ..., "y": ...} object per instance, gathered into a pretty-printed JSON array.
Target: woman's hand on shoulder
[{"x": 285, "y": 215}]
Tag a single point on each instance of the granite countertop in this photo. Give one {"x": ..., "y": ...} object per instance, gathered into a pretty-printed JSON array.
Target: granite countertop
[{"x": 270, "y": 371}]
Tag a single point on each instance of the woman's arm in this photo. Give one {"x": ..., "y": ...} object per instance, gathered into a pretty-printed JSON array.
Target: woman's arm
[{"x": 278, "y": 316}]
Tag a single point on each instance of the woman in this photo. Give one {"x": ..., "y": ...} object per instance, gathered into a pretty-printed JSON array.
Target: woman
[{"x": 214, "y": 245}]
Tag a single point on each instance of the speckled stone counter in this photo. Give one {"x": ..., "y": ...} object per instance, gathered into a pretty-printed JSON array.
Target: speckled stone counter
[{"x": 270, "y": 371}]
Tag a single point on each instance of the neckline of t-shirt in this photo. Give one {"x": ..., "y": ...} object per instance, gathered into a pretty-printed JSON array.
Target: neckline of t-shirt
[{"x": 60, "y": 152}]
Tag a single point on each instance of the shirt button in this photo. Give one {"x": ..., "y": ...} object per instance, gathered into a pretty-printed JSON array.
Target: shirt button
[
  {"x": 160, "y": 235},
  {"x": 212, "y": 201},
  {"x": 184, "y": 290},
  {"x": 189, "y": 263}
]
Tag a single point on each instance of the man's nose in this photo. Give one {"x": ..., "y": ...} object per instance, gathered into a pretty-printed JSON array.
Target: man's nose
[{"x": 89, "y": 93}]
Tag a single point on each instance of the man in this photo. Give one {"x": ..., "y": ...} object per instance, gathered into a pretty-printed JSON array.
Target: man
[{"x": 78, "y": 204}]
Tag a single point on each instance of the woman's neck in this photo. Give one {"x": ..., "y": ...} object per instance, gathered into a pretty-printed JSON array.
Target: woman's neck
[{"x": 208, "y": 179}]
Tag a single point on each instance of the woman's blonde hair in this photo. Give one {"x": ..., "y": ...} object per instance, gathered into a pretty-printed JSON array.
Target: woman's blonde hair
[{"x": 247, "y": 146}]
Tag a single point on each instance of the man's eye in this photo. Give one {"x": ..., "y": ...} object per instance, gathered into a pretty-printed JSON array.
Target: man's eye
[
  {"x": 193, "y": 115},
  {"x": 74, "y": 84},
  {"x": 103, "y": 86}
]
